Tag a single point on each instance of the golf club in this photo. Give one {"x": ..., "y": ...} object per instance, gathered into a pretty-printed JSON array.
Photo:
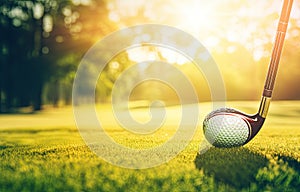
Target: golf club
[{"x": 227, "y": 127}]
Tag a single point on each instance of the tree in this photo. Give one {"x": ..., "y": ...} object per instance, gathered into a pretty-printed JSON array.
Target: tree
[{"x": 39, "y": 39}]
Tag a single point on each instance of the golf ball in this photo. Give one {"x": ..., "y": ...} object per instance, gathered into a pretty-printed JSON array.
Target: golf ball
[{"x": 226, "y": 129}]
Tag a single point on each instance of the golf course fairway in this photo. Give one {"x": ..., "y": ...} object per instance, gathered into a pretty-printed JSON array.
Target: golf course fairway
[{"x": 45, "y": 152}]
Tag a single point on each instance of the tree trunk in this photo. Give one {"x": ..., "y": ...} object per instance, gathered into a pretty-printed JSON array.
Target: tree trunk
[
  {"x": 56, "y": 93},
  {"x": 37, "y": 105}
]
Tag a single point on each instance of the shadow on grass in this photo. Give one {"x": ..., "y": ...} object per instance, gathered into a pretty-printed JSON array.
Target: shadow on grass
[
  {"x": 36, "y": 131},
  {"x": 236, "y": 167},
  {"x": 5, "y": 147},
  {"x": 293, "y": 163},
  {"x": 19, "y": 111}
]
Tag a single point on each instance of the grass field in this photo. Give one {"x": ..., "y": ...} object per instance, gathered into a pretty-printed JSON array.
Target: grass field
[{"x": 45, "y": 152}]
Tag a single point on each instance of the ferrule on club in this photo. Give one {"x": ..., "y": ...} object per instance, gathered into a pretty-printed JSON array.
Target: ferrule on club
[{"x": 264, "y": 106}]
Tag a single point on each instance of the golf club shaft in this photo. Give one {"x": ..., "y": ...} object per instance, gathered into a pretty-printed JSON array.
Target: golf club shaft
[
  {"x": 276, "y": 53},
  {"x": 275, "y": 57}
]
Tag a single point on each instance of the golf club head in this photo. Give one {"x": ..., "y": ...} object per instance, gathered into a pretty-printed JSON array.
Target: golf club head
[{"x": 228, "y": 127}]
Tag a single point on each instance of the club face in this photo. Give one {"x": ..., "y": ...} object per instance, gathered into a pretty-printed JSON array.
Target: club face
[{"x": 227, "y": 127}]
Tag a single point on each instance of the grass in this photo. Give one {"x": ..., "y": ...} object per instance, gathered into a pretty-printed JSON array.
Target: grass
[{"x": 45, "y": 152}]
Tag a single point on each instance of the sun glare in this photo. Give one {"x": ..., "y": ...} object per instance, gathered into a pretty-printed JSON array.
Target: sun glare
[
  {"x": 195, "y": 16},
  {"x": 150, "y": 53},
  {"x": 231, "y": 30}
]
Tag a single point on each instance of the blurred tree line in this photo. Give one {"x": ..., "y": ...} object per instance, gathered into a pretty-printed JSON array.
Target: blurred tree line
[
  {"x": 43, "y": 41},
  {"x": 41, "y": 44}
]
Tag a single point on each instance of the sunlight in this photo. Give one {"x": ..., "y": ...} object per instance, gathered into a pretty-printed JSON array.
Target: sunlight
[
  {"x": 141, "y": 54},
  {"x": 210, "y": 21},
  {"x": 231, "y": 30},
  {"x": 150, "y": 53},
  {"x": 195, "y": 16}
]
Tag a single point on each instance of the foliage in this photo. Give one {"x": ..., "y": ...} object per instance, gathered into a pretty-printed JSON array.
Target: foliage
[{"x": 36, "y": 38}]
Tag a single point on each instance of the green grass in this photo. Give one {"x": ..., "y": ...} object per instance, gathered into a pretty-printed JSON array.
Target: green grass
[{"x": 44, "y": 152}]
